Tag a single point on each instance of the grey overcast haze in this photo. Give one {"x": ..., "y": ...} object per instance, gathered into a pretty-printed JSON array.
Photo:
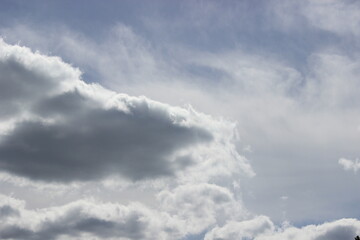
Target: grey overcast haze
[{"x": 179, "y": 120}]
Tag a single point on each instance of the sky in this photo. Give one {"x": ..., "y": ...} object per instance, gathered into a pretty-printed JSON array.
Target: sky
[{"x": 179, "y": 120}]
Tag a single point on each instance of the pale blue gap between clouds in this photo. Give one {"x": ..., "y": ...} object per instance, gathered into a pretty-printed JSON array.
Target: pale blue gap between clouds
[{"x": 205, "y": 25}]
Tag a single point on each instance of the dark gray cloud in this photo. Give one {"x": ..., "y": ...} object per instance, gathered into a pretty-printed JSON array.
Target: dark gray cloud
[
  {"x": 72, "y": 135},
  {"x": 75, "y": 223},
  {"x": 18, "y": 85},
  {"x": 92, "y": 143},
  {"x": 16, "y": 232},
  {"x": 97, "y": 227}
]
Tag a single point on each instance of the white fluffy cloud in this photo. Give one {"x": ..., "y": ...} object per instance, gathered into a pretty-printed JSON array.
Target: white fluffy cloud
[
  {"x": 183, "y": 211},
  {"x": 340, "y": 229},
  {"x": 350, "y": 165},
  {"x": 88, "y": 219},
  {"x": 199, "y": 206},
  {"x": 84, "y": 219},
  {"x": 240, "y": 230},
  {"x": 261, "y": 228}
]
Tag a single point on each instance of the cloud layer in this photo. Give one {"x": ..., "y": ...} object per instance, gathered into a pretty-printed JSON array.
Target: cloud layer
[
  {"x": 287, "y": 72},
  {"x": 87, "y": 219},
  {"x": 80, "y": 220}
]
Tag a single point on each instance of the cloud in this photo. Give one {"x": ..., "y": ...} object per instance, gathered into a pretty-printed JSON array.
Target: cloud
[
  {"x": 349, "y": 165},
  {"x": 22, "y": 82},
  {"x": 97, "y": 143},
  {"x": 66, "y": 130},
  {"x": 262, "y": 228},
  {"x": 334, "y": 16},
  {"x": 340, "y": 229},
  {"x": 248, "y": 229},
  {"x": 199, "y": 206},
  {"x": 290, "y": 116},
  {"x": 89, "y": 219},
  {"x": 10, "y": 208},
  {"x": 135, "y": 59},
  {"x": 319, "y": 17},
  {"x": 85, "y": 218},
  {"x": 298, "y": 116},
  {"x": 184, "y": 211},
  {"x": 71, "y": 131}
]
